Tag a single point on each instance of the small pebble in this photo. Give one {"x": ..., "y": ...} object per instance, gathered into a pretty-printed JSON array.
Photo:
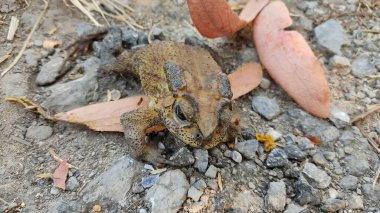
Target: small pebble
[
  {"x": 266, "y": 107},
  {"x": 194, "y": 193},
  {"x": 236, "y": 156},
  {"x": 211, "y": 171}
]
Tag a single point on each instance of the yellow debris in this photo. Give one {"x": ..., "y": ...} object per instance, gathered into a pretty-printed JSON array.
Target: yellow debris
[{"x": 267, "y": 140}]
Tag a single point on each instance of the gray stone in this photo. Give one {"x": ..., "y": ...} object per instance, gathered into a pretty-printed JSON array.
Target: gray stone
[
  {"x": 158, "y": 33},
  {"x": 378, "y": 129},
  {"x": 355, "y": 202},
  {"x": 339, "y": 62},
  {"x": 294, "y": 152},
  {"x": 276, "y": 196},
  {"x": 315, "y": 176},
  {"x": 201, "y": 159},
  {"x": 74, "y": 93},
  {"x": 129, "y": 37},
  {"x": 143, "y": 211},
  {"x": 357, "y": 165},
  {"x": 50, "y": 71},
  {"x": 304, "y": 23},
  {"x": 212, "y": 184},
  {"x": 319, "y": 159},
  {"x": 72, "y": 184},
  {"x": 137, "y": 188},
  {"x": 338, "y": 117},
  {"x": 183, "y": 157},
  {"x": 266, "y": 107},
  {"x": 330, "y": 156},
  {"x": 149, "y": 181},
  {"x": 109, "y": 46},
  {"x": 211, "y": 171},
  {"x": 348, "y": 182},
  {"x": 169, "y": 193},
  {"x": 305, "y": 144},
  {"x": 236, "y": 156},
  {"x": 265, "y": 83},
  {"x": 276, "y": 135},
  {"x": 248, "y": 148},
  {"x": 326, "y": 133},
  {"x": 247, "y": 201},
  {"x": 306, "y": 194},
  {"x": 276, "y": 158},
  {"x": 54, "y": 190},
  {"x": 31, "y": 57},
  {"x": 331, "y": 36},
  {"x": 114, "y": 183},
  {"x": 200, "y": 185},
  {"x": 39, "y": 132},
  {"x": 333, "y": 205},
  {"x": 371, "y": 193},
  {"x": 305, "y": 5},
  {"x": 247, "y": 55},
  {"x": 294, "y": 208},
  {"x": 194, "y": 193},
  {"x": 362, "y": 67}
]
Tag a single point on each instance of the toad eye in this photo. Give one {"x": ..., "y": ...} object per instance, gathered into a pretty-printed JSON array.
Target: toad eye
[{"x": 179, "y": 113}]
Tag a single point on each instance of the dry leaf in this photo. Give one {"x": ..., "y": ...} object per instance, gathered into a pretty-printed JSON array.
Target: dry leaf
[
  {"x": 214, "y": 18},
  {"x": 50, "y": 44},
  {"x": 314, "y": 140},
  {"x": 246, "y": 78},
  {"x": 60, "y": 175},
  {"x": 103, "y": 116},
  {"x": 290, "y": 61}
]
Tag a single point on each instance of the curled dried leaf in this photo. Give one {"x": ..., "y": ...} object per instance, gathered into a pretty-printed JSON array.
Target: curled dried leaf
[
  {"x": 246, "y": 78},
  {"x": 290, "y": 61}
]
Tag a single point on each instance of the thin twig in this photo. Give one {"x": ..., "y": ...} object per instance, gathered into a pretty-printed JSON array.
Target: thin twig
[
  {"x": 57, "y": 158},
  {"x": 365, "y": 114},
  {"x": 27, "y": 40},
  {"x": 371, "y": 31},
  {"x": 376, "y": 177}
]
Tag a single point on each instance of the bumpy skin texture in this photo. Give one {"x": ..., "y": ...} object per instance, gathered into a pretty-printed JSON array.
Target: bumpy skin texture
[{"x": 190, "y": 96}]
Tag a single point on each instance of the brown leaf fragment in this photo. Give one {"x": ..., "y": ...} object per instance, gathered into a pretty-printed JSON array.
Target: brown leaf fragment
[
  {"x": 246, "y": 78},
  {"x": 60, "y": 175},
  {"x": 290, "y": 61},
  {"x": 314, "y": 140},
  {"x": 214, "y": 18},
  {"x": 103, "y": 116}
]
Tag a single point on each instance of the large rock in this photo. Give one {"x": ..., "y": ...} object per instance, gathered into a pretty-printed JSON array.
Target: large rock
[
  {"x": 362, "y": 67},
  {"x": 74, "y": 93},
  {"x": 50, "y": 71},
  {"x": 39, "y": 132},
  {"x": 315, "y": 176},
  {"x": 248, "y": 148},
  {"x": 277, "y": 158},
  {"x": 276, "y": 196},
  {"x": 331, "y": 36},
  {"x": 247, "y": 200},
  {"x": 169, "y": 193},
  {"x": 266, "y": 107},
  {"x": 113, "y": 184},
  {"x": 357, "y": 165}
]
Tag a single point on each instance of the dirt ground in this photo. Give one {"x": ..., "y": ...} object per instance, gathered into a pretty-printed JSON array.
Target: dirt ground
[{"x": 22, "y": 157}]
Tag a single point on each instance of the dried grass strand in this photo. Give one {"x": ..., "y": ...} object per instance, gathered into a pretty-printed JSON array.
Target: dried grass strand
[{"x": 46, "y": 2}]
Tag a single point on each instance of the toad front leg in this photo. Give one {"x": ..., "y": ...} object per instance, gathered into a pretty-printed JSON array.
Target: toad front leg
[{"x": 135, "y": 124}]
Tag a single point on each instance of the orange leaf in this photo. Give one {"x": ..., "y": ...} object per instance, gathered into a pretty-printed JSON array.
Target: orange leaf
[
  {"x": 290, "y": 61},
  {"x": 214, "y": 18},
  {"x": 314, "y": 140},
  {"x": 60, "y": 175},
  {"x": 246, "y": 78},
  {"x": 106, "y": 116},
  {"x": 103, "y": 116}
]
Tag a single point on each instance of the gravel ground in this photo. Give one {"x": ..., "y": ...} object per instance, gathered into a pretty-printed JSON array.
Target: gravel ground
[{"x": 297, "y": 176}]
